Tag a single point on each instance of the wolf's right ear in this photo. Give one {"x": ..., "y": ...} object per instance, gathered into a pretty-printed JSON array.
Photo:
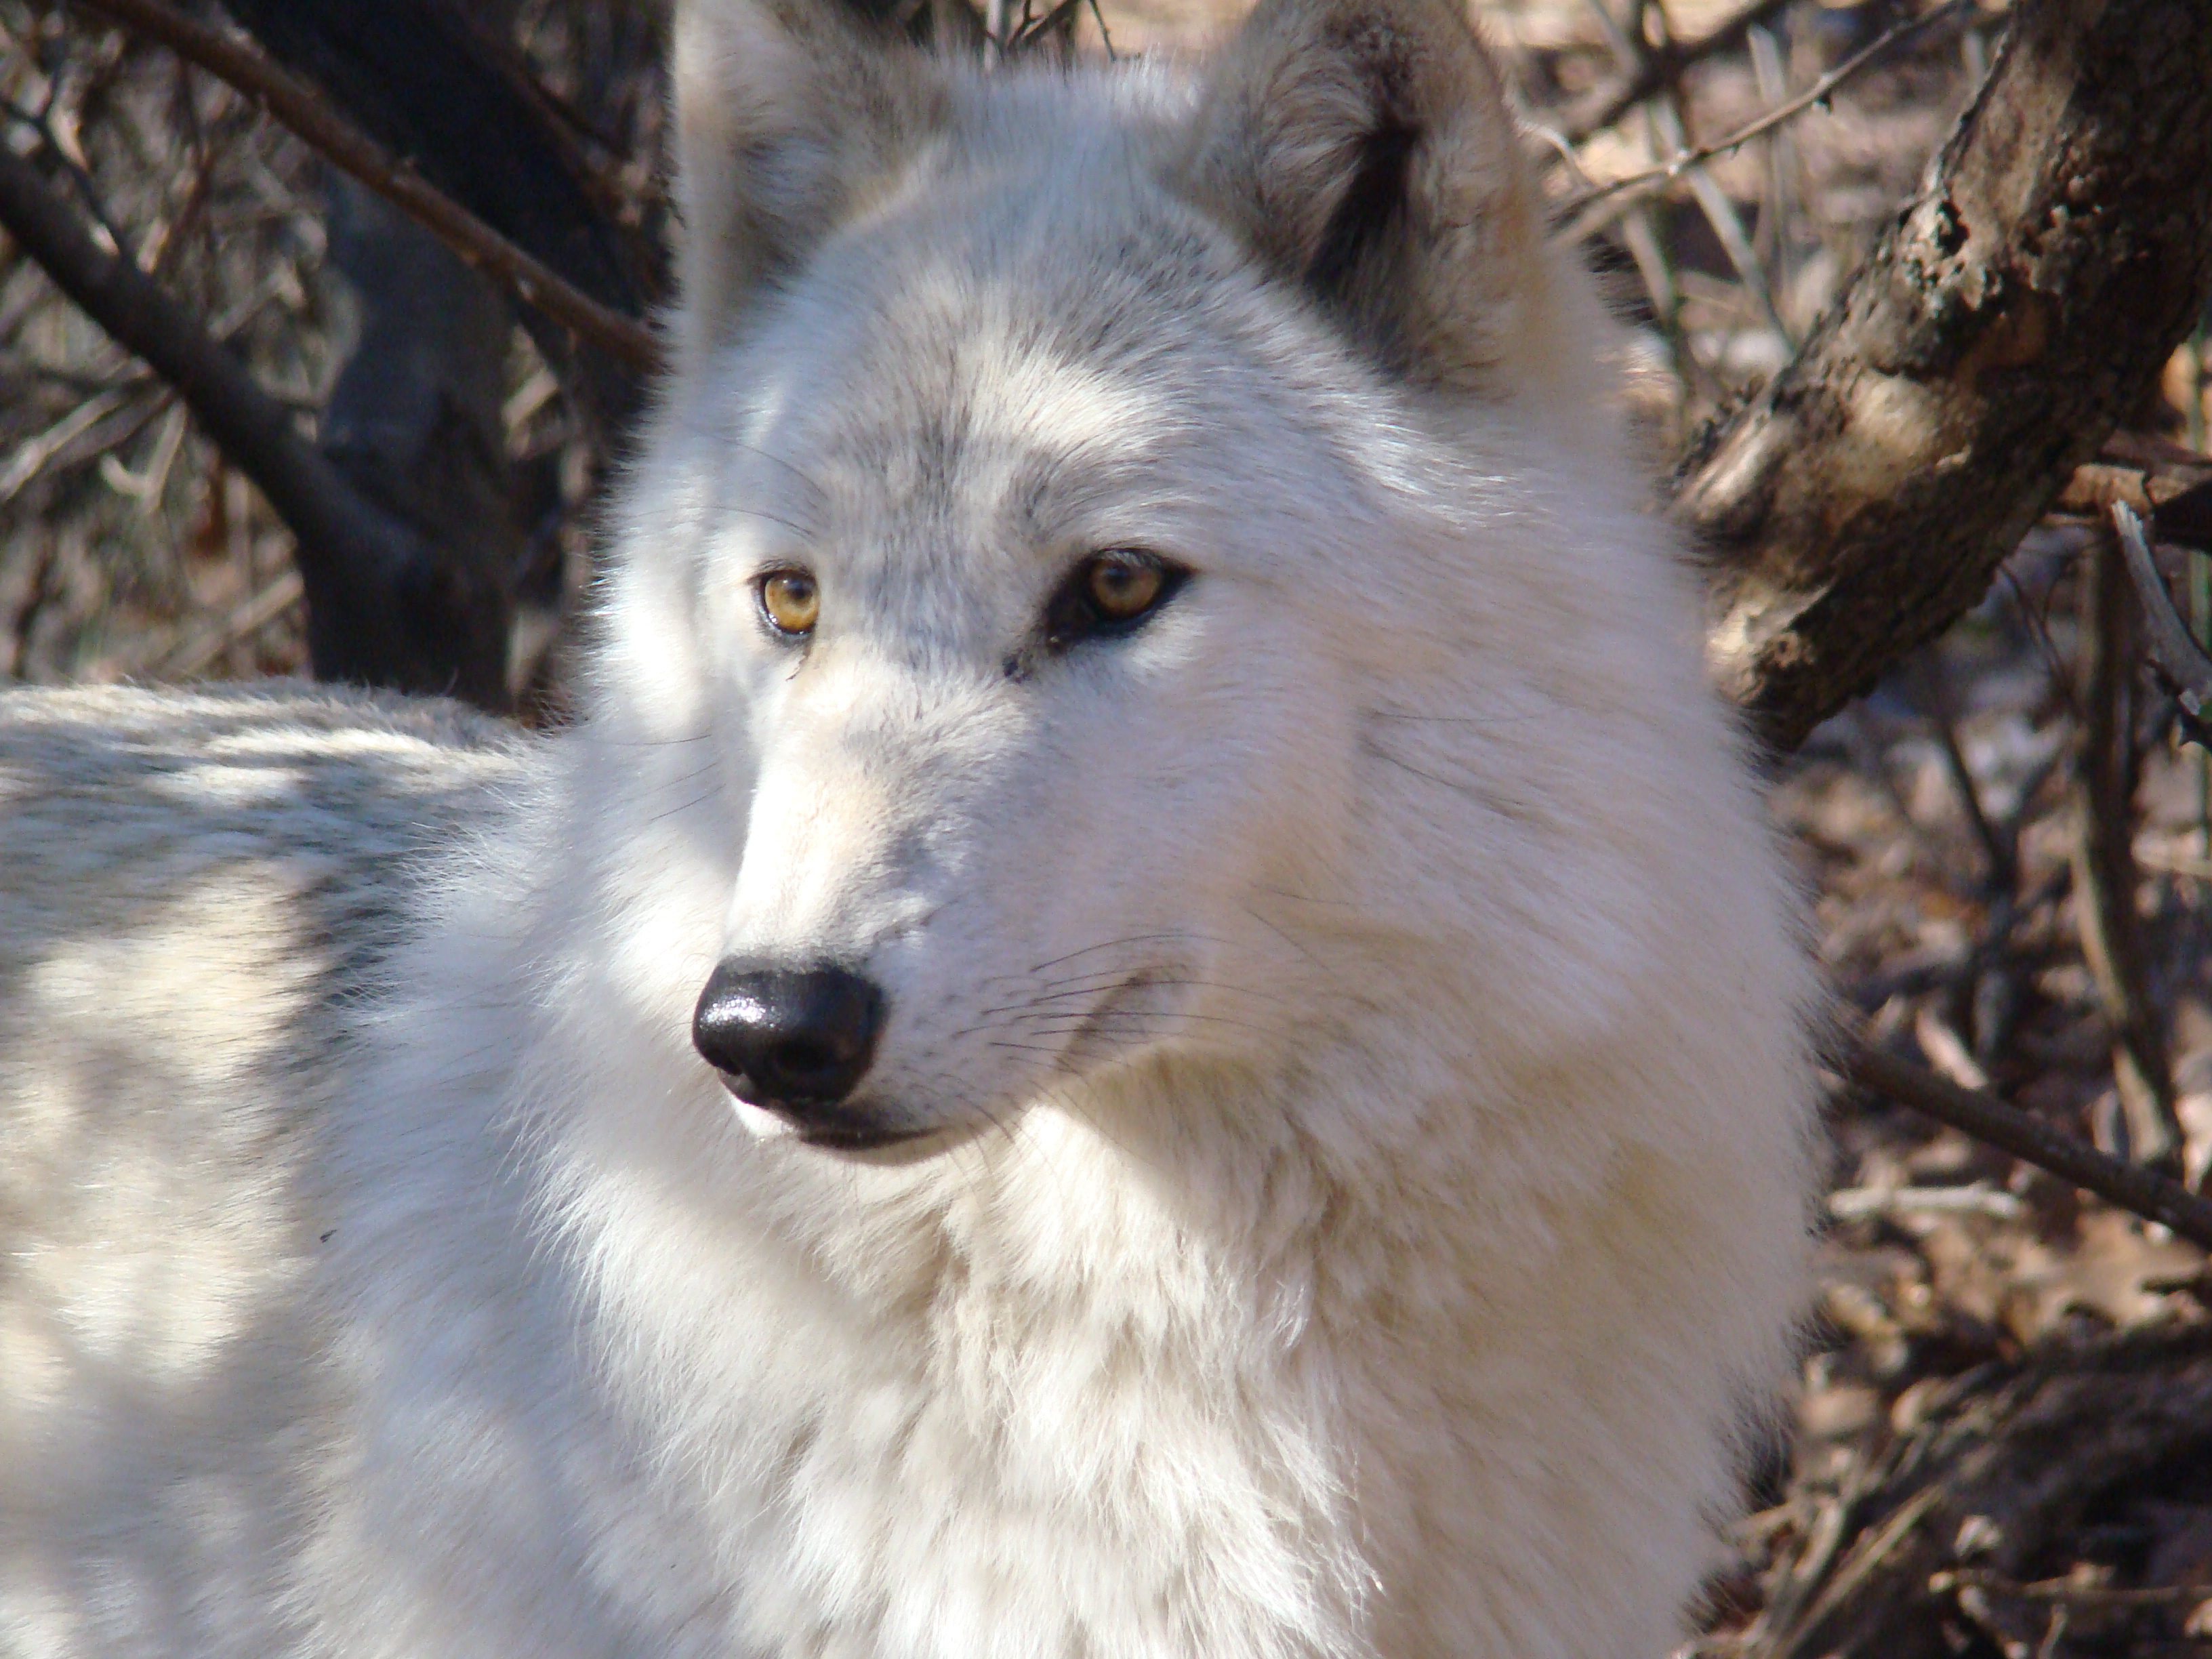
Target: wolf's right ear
[
  {"x": 788, "y": 115},
  {"x": 1363, "y": 149}
]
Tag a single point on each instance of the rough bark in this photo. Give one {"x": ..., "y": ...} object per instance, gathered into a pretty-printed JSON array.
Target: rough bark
[{"x": 2018, "y": 307}]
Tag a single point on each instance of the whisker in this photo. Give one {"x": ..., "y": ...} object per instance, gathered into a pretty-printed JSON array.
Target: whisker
[
  {"x": 1070, "y": 1023},
  {"x": 1306, "y": 898},
  {"x": 792, "y": 467},
  {"x": 1116, "y": 944},
  {"x": 1461, "y": 789},
  {"x": 792, "y": 525},
  {"x": 652, "y": 743},
  {"x": 700, "y": 799},
  {"x": 1451, "y": 719}
]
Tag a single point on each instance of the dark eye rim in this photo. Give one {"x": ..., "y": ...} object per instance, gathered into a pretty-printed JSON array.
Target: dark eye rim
[
  {"x": 776, "y": 630},
  {"x": 1072, "y": 617}
]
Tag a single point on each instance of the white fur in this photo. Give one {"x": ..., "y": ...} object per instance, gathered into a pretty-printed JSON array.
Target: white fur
[{"x": 1355, "y": 1017}]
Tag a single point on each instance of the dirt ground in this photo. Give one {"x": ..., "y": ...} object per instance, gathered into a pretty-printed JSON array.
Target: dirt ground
[{"x": 2001, "y": 1439}]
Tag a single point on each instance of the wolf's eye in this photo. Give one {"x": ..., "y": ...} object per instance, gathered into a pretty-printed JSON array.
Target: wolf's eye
[
  {"x": 1111, "y": 592},
  {"x": 1122, "y": 588},
  {"x": 790, "y": 601}
]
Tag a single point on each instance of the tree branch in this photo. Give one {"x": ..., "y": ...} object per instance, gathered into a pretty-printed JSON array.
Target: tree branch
[
  {"x": 301, "y": 110},
  {"x": 1583, "y": 213},
  {"x": 2018, "y": 306},
  {"x": 2016, "y": 310},
  {"x": 2105, "y": 874},
  {"x": 2175, "y": 657},
  {"x": 2139, "y": 1191},
  {"x": 1660, "y": 68},
  {"x": 379, "y": 609}
]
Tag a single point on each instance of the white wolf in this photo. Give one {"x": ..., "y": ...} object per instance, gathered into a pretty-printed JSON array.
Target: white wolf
[{"x": 1151, "y": 1015}]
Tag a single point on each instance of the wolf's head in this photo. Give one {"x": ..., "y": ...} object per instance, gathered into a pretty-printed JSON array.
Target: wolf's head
[{"x": 1102, "y": 524}]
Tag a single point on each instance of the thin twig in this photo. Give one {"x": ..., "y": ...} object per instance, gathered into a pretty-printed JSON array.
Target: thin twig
[
  {"x": 1112, "y": 56},
  {"x": 2105, "y": 876},
  {"x": 2065, "y": 1590},
  {"x": 1580, "y": 222},
  {"x": 182, "y": 660},
  {"x": 1656, "y": 272},
  {"x": 1772, "y": 76},
  {"x": 2002, "y": 875},
  {"x": 31, "y": 455},
  {"x": 1034, "y": 29},
  {"x": 1800, "y": 1581},
  {"x": 1866, "y": 1556},
  {"x": 1660, "y": 68},
  {"x": 308, "y": 116},
  {"x": 1983, "y": 1115},
  {"x": 2178, "y": 657},
  {"x": 350, "y": 552},
  {"x": 1858, "y": 1203},
  {"x": 1664, "y": 118},
  {"x": 1727, "y": 225},
  {"x": 1635, "y": 54}
]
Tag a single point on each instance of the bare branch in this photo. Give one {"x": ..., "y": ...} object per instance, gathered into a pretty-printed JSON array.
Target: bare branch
[
  {"x": 2105, "y": 876},
  {"x": 1660, "y": 68},
  {"x": 2138, "y": 1191},
  {"x": 299, "y": 108},
  {"x": 1594, "y": 209},
  {"x": 379, "y": 609},
  {"x": 2177, "y": 656},
  {"x": 182, "y": 658}
]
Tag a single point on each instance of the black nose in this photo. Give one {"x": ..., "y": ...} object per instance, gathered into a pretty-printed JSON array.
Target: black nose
[{"x": 786, "y": 1038}]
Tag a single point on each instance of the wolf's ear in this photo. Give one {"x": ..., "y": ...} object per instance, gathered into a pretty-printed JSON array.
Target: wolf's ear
[
  {"x": 1364, "y": 149},
  {"x": 787, "y": 115}
]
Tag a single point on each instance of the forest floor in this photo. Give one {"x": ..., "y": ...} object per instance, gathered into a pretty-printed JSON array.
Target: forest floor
[{"x": 2001, "y": 1434}]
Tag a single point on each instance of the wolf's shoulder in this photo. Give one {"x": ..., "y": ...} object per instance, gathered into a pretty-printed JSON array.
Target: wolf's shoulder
[
  {"x": 198, "y": 893},
  {"x": 277, "y": 745},
  {"x": 252, "y": 825},
  {"x": 102, "y": 779}
]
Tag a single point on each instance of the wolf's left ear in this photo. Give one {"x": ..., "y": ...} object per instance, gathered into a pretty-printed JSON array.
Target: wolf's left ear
[
  {"x": 1364, "y": 149},
  {"x": 788, "y": 114}
]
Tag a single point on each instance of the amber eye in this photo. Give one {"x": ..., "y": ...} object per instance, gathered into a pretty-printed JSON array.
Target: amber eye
[
  {"x": 791, "y": 601},
  {"x": 1122, "y": 587},
  {"x": 1111, "y": 594}
]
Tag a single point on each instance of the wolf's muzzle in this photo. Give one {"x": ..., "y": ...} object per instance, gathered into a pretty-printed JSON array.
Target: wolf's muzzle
[{"x": 793, "y": 1041}]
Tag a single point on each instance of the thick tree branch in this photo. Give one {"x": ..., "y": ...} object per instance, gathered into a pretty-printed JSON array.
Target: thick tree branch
[
  {"x": 441, "y": 83},
  {"x": 2018, "y": 306},
  {"x": 430, "y": 81},
  {"x": 309, "y": 117},
  {"x": 379, "y": 609}
]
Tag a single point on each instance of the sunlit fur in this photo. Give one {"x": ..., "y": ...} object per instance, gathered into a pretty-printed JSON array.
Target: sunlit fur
[{"x": 1352, "y": 1018}]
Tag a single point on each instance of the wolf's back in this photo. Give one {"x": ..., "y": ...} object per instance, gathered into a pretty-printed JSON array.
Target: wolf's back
[{"x": 195, "y": 892}]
